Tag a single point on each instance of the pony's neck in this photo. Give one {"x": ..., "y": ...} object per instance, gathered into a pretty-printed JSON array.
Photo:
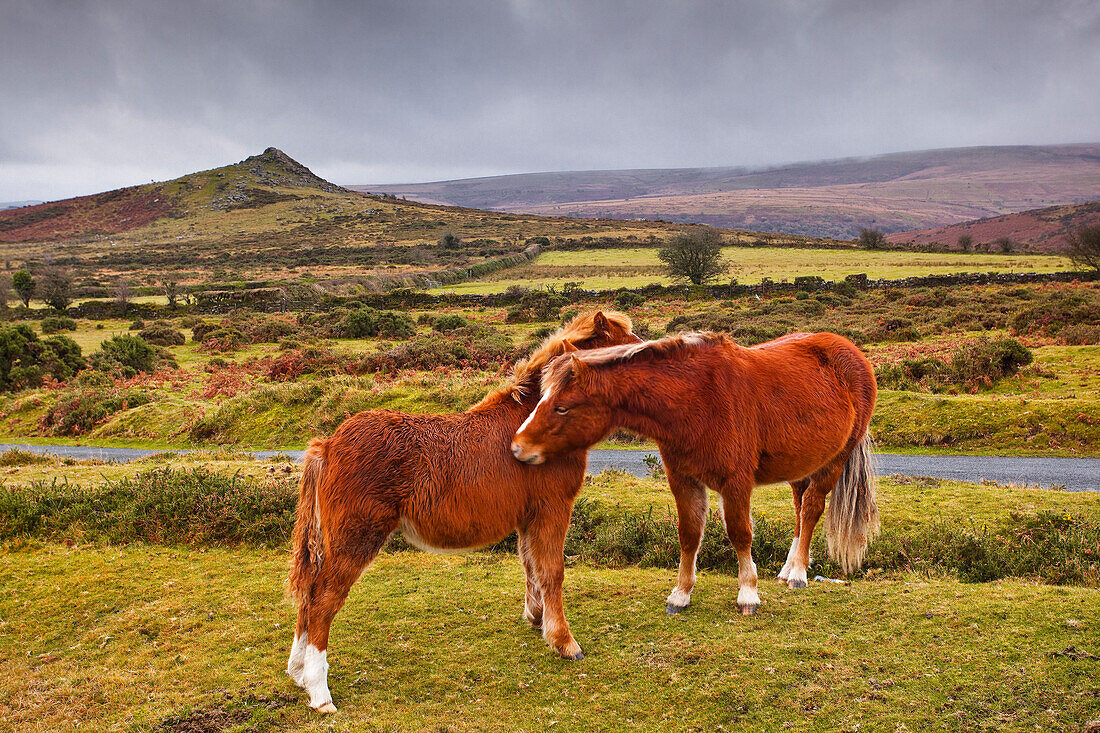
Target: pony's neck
[{"x": 639, "y": 404}]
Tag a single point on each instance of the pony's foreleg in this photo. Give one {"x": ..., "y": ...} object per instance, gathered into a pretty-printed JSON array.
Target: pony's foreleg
[
  {"x": 737, "y": 517},
  {"x": 532, "y": 601},
  {"x": 798, "y": 488},
  {"x": 691, "y": 520},
  {"x": 546, "y": 544}
]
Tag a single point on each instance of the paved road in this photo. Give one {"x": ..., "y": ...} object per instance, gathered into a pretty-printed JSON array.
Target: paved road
[{"x": 1074, "y": 474}]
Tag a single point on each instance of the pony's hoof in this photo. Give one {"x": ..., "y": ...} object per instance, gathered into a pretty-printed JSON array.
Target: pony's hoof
[
  {"x": 796, "y": 584},
  {"x": 749, "y": 609},
  {"x": 326, "y": 707},
  {"x": 577, "y": 657},
  {"x": 672, "y": 610}
]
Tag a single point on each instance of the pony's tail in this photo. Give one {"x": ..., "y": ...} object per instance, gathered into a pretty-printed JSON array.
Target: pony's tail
[
  {"x": 306, "y": 557},
  {"x": 853, "y": 514}
]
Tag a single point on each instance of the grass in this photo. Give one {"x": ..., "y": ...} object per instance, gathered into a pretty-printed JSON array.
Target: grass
[
  {"x": 147, "y": 636},
  {"x": 141, "y": 636},
  {"x": 631, "y": 268}
]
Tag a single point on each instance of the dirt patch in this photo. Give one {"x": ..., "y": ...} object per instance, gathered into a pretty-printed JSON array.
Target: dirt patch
[{"x": 232, "y": 710}]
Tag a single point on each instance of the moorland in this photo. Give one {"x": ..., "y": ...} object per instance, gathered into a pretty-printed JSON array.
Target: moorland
[{"x": 258, "y": 314}]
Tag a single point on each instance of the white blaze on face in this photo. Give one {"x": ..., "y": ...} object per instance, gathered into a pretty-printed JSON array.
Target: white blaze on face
[{"x": 531, "y": 417}]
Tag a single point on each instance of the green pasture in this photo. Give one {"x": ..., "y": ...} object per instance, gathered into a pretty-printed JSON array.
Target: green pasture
[
  {"x": 151, "y": 637},
  {"x": 607, "y": 269}
]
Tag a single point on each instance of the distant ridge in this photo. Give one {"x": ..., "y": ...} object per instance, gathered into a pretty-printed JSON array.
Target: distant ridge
[
  {"x": 1039, "y": 229},
  {"x": 834, "y": 198},
  {"x": 257, "y": 180}
]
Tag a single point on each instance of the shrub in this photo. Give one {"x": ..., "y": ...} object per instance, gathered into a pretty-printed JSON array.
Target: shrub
[
  {"x": 128, "y": 355},
  {"x": 57, "y": 324},
  {"x": 1081, "y": 334},
  {"x": 365, "y": 322},
  {"x": 76, "y": 413},
  {"x": 984, "y": 363},
  {"x": 25, "y": 359},
  {"x": 223, "y": 339},
  {"x": 162, "y": 334},
  {"x": 447, "y": 323},
  {"x": 200, "y": 329},
  {"x": 628, "y": 299},
  {"x": 137, "y": 325},
  {"x": 537, "y": 306},
  {"x": 871, "y": 239},
  {"x": 470, "y": 346}
]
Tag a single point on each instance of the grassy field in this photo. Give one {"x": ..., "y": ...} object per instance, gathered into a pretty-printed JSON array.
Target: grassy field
[
  {"x": 630, "y": 268},
  {"x": 195, "y": 637}
]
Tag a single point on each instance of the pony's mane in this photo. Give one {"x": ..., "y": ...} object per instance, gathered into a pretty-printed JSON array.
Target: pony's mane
[
  {"x": 527, "y": 371},
  {"x": 670, "y": 347}
]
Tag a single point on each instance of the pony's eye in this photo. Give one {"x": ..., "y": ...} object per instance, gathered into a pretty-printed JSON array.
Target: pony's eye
[{"x": 561, "y": 410}]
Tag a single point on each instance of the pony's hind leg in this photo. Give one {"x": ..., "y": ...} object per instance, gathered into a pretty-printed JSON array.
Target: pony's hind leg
[
  {"x": 813, "y": 504},
  {"x": 344, "y": 562},
  {"x": 546, "y": 545},
  {"x": 737, "y": 517},
  {"x": 691, "y": 520},
  {"x": 532, "y": 601},
  {"x": 798, "y": 488}
]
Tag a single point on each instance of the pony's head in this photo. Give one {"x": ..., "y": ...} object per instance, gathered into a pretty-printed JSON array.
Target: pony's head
[
  {"x": 567, "y": 418},
  {"x": 592, "y": 330}
]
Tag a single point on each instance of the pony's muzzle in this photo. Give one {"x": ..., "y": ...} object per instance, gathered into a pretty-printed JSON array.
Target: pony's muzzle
[{"x": 528, "y": 458}]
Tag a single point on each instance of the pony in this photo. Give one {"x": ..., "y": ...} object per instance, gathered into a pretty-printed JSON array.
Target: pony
[
  {"x": 796, "y": 409},
  {"x": 447, "y": 483}
]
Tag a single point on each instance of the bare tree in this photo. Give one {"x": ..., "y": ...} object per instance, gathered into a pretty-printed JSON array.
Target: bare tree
[
  {"x": 1083, "y": 246},
  {"x": 122, "y": 291},
  {"x": 694, "y": 256},
  {"x": 871, "y": 239}
]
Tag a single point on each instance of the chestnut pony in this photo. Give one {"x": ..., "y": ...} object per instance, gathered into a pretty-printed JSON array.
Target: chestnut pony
[
  {"x": 448, "y": 483},
  {"x": 795, "y": 409}
]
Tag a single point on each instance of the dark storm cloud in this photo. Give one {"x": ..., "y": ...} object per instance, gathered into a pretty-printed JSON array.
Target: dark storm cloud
[{"x": 98, "y": 95}]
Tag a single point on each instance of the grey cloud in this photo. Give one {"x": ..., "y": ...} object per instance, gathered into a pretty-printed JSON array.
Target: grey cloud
[{"x": 104, "y": 94}]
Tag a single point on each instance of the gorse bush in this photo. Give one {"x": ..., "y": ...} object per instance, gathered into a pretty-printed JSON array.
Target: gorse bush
[
  {"x": 450, "y": 322},
  {"x": 161, "y": 333},
  {"x": 366, "y": 322},
  {"x": 127, "y": 356},
  {"x": 57, "y": 324},
  {"x": 469, "y": 346},
  {"x": 25, "y": 359}
]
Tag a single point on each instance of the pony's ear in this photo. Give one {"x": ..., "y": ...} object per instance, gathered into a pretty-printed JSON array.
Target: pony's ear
[
  {"x": 581, "y": 371},
  {"x": 600, "y": 323},
  {"x": 568, "y": 346}
]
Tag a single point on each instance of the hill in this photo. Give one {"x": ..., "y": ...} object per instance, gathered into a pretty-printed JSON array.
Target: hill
[
  {"x": 1039, "y": 229},
  {"x": 896, "y": 192},
  {"x": 268, "y": 218}
]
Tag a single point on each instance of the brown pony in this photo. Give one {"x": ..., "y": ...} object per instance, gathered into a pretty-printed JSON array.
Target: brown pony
[
  {"x": 449, "y": 483},
  {"x": 728, "y": 417}
]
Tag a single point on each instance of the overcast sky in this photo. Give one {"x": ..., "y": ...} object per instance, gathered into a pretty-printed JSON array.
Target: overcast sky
[{"x": 98, "y": 95}]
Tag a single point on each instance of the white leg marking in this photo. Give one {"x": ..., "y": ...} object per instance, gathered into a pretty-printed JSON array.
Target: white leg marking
[
  {"x": 797, "y": 577},
  {"x": 315, "y": 680},
  {"x": 297, "y": 662},
  {"x": 786, "y": 571},
  {"x": 679, "y": 598},
  {"x": 747, "y": 597}
]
